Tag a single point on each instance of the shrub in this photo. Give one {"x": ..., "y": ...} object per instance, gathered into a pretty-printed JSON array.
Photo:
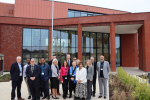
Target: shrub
[{"x": 141, "y": 90}]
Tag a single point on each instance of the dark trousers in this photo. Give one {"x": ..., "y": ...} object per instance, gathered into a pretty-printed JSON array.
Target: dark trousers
[
  {"x": 65, "y": 87},
  {"x": 72, "y": 86},
  {"x": 94, "y": 85},
  {"x": 89, "y": 89},
  {"x": 45, "y": 87},
  {"x": 35, "y": 92},
  {"x": 57, "y": 87},
  {"x": 18, "y": 85}
]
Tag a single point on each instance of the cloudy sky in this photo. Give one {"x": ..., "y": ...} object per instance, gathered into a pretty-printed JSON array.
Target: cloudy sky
[{"x": 133, "y": 6}]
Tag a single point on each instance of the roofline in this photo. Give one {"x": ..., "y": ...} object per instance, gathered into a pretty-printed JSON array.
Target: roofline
[
  {"x": 91, "y": 6},
  {"x": 8, "y": 3}
]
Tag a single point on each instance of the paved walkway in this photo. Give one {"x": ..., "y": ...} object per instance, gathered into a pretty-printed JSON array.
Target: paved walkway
[
  {"x": 5, "y": 92},
  {"x": 133, "y": 70}
]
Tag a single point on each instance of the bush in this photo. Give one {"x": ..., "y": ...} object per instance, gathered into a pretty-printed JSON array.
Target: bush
[{"x": 141, "y": 90}]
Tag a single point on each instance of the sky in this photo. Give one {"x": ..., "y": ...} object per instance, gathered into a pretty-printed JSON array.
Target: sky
[{"x": 134, "y": 6}]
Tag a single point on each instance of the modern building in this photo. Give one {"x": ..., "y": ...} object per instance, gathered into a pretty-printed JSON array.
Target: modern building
[{"x": 80, "y": 30}]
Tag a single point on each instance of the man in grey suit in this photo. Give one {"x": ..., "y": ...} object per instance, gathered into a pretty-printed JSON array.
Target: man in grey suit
[{"x": 103, "y": 70}]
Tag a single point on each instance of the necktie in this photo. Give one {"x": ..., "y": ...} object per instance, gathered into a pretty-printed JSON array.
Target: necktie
[
  {"x": 32, "y": 68},
  {"x": 68, "y": 63}
]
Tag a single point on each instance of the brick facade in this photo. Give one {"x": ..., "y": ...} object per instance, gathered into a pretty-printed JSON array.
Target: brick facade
[{"x": 11, "y": 42}]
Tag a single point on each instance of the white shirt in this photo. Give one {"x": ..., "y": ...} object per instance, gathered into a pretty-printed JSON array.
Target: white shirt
[
  {"x": 20, "y": 68},
  {"x": 81, "y": 75},
  {"x": 24, "y": 70}
]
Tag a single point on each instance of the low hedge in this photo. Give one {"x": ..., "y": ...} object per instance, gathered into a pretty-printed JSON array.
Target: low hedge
[{"x": 141, "y": 90}]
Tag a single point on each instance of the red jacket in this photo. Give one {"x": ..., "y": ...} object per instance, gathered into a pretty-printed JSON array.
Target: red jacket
[{"x": 63, "y": 72}]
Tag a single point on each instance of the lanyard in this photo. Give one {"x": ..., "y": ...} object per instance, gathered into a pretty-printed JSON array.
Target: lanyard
[{"x": 66, "y": 70}]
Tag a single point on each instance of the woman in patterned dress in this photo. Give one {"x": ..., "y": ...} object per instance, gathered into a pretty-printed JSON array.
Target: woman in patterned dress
[{"x": 81, "y": 87}]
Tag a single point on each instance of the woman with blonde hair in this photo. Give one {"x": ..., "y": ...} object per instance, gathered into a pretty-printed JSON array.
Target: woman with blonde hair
[
  {"x": 77, "y": 62},
  {"x": 55, "y": 77},
  {"x": 90, "y": 73}
]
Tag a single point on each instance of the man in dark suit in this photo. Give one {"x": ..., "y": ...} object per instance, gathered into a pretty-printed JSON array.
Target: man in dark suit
[
  {"x": 59, "y": 65},
  {"x": 16, "y": 73},
  {"x": 33, "y": 75},
  {"x": 69, "y": 61},
  {"x": 45, "y": 76},
  {"x": 94, "y": 76}
]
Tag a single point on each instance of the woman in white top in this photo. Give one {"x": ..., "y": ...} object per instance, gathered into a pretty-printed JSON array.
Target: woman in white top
[
  {"x": 54, "y": 78},
  {"x": 81, "y": 78}
]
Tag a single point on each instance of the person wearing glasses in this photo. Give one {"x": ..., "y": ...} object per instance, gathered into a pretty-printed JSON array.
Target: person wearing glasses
[
  {"x": 74, "y": 58},
  {"x": 33, "y": 76}
]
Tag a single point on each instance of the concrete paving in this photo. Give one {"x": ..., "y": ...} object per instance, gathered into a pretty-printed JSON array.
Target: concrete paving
[
  {"x": 5, "y": 92},
  {"x": 133, "y": 70}
]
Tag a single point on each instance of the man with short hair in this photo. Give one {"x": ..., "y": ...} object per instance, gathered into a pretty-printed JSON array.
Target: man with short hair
[
  {"x": 94, "y": 76},
  {"x": 74, "y": 59},
  {"x": 69, "y": 60},
  {"x": 33, "y": 75},
  {"x": 45, "y": 76},
  {"x": 16, "y": 72},
  {"x": 25, "y": 78},
  {"x": 59, "y": 65},
  {"x": 103, "y": 70}
]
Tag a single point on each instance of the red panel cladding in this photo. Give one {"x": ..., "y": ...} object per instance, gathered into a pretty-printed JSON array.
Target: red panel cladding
[{"x": 129, "y": 50}]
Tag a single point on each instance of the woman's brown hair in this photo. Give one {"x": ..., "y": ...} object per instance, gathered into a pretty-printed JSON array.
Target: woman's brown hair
[
  {"x": 63, "y": 63},
  {"x": 81, "y": 63}
]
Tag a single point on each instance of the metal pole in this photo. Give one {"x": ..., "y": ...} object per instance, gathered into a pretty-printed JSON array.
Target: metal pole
[{"x": 52, "y": 29}]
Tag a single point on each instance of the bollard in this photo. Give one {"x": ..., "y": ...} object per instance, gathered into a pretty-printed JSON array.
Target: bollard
[{"x": 149, "y": 76}]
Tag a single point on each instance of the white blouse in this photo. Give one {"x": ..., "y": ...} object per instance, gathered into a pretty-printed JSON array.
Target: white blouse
[{"x": 81, "y": 75}]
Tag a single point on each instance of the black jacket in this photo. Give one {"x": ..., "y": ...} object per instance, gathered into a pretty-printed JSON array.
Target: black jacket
[
  {"x": 70, "y": 63},
  {"x": 59, "y": 64},
  {"x": 15, "y": 71},
  {"x": 36, "y": 74},
  {"x": 95, "y": 70}
]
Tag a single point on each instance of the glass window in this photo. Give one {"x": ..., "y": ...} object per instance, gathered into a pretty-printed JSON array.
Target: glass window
[
  {"x": 56, "y": 38},
  {"x": 76, "y": 39},
  {"x": 70, "y": 13},
  {"x": 72, "y": 38},
  {"x": 86, "y": 39},
  {"x": 26, "y": 37},
  {"x": 77, "y": 14},
  {"x": 99, "y": 39},
  {"x": 36, "y": 37},
  {"x": 25, "y": 57},
  {"x": 117, "y": 39},
  {"x": 44, "y": 37},
  {"x": 83, "y": 13},
  {"x": 93, "y": 39},
  {"x": 26, "y": 50},
  {"x": 105, "y": 40},
  {"x": 64, "y": 39},
  {"x": 99, "y": 53},
  {"x": 90, "y": 14}
]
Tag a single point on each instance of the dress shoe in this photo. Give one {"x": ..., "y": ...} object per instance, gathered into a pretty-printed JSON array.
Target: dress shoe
[
  {"x": 12, "y": 99},
  {"x": 48, "y": 98},
  {"x": 104, "y": 97},
  {"x": 58, "y": 93},
  {"x": 44, "y": 97},
  {"x": 20, "y": 99},
  {"x": 29, "y": 97},
  {"x": 70, "y": 96},
  {"x": 99, "y": 96},
  {"x": 93, "y": 95}
]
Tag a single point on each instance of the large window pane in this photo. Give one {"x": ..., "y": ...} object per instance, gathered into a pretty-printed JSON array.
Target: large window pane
[
  {"x": 117, "y": 39},
  {"x": 72, "y": 52},
  {"x": 72, "y": 38},
  {"x": 25, "y": 56},
  {"x": 26, "y": 37},
  {"x": 26, "y": 50},
  {"x": 70, "y": 13},
  {"x": 64, "y": 39},
  {"x": 36, "y": 37},
  {"x": 56, "y": 38},
  {"x": 76, "y": 39},
  {"x": 77, "y": 14},
  {"x": 105, "y": 40},
  {"x": 93, "y": 39},
  {"x": 44, "y": 37},
  {"x": 99, "y": 39},
  {"x": 86, "y": 39},
  {"x": 83, "y": 13},
  {"x": 106, "y": 54},
  {"x": 93, "y": 52},
  {"x": 99, "y": 53},
  {"x": 36, "y": 49}
]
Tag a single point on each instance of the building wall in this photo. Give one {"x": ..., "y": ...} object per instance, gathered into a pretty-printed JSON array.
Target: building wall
[
  {"x": 11, "y": 43},
  {"x": 42, "y": 9},
  {"x": 129, "y": 50},
  {"x": 6, "y": 9}
]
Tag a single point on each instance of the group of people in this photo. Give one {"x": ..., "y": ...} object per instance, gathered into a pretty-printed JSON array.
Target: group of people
[{"x": 74, "y": 76}]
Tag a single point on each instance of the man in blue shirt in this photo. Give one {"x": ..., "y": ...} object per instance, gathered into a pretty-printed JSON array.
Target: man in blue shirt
[{"x": 45, "y": 76}]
